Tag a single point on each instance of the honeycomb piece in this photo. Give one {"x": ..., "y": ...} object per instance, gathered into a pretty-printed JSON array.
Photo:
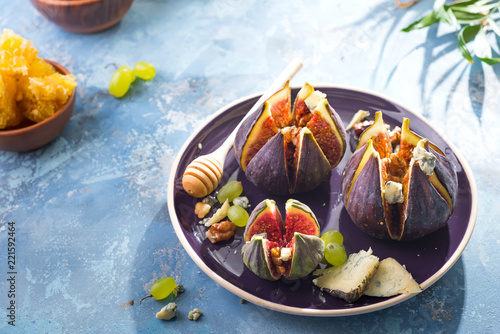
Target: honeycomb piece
[
  {"x": 10, "y": 115},
  {"x": 43, "y": 96},
  {"x": 16, "y": 54},
  {"x": 40, "y": 68},
  {"x": 38, "y": 110}
]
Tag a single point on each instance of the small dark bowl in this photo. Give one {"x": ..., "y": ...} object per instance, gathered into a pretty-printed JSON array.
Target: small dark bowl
[
  {"x": 83, "y": 16},
  {"x": 29, "y": 136}
]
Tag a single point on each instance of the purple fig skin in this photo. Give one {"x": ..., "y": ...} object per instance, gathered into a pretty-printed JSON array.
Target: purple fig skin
[
  {"x": 313, "y": 168},
  {"x": 244, "y": 131},
  {"x": 427, "y": 211},
  {"x": 308, "y": 253},
  {"x": 446, "y": 174},
  {"x": 311, "y": 171},
  {"x": 350, "y": 170},
  {"x": 340, "y": 127},
  {"x": 255, "y": 257},
  {"x": 267, "y": 169},
  {"x": 365, "y": 204},
  {"x": 308, "y": 249}
]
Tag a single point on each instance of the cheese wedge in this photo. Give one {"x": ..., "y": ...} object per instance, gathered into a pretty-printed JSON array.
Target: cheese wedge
[
  {"x": 350, "y": 279},
  {"x": 391, "y": 279}
]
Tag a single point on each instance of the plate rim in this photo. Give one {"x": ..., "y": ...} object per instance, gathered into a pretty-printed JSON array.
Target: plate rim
[{"x": 320, "y": 312}]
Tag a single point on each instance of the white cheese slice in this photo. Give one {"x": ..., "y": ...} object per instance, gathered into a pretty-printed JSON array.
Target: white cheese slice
[
  {"x": 391, "y": 279},
  {"x": 349, "y": 280}
]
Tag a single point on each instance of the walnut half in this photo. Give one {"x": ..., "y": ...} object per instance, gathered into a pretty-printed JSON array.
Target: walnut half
[{"x": 221, "y": 231}]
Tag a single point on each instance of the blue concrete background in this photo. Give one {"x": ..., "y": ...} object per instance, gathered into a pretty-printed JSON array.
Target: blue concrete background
[{"x": 92, "y": 226}]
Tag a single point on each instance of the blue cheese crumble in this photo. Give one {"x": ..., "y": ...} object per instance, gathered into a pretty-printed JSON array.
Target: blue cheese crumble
[
  {"x": 393, "y": 192},
  {"x": 167, "y": 312},
  {"x": 242, "y": 201},
  {"x": 426, "y": 160},
  {"x": 194, "y": 314},
  {"x": 285, "y": 254}
]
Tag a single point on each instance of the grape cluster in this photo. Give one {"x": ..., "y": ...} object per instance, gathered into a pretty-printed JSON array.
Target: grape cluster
[{"x": 125, "y": 75}]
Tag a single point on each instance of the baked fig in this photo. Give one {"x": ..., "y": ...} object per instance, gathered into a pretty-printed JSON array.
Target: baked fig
[
  {"x": 398, "y": 186},
  {"x": 285, "y": 150},
  {"x": 274, "y": 248}
]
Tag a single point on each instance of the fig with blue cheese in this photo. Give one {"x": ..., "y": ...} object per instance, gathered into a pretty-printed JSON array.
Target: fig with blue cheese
[
  {"x": 400, "y": 189},
  {"x": 286, "y": 150},
  {"x": 275, "y": 248}
]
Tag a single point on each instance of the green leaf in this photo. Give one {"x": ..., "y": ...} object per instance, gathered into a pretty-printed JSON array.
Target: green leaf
[
  {"x": 469, "y": 13},
  {"x": 438, "y": 4},
  {"x": 475, "y": 8},
  {"x": 482, "y": 47},
  {"x": 423, "y": 22},
  {"x": 468, "y": 3},
  {"x": 446, "y": 15},
  {"x": 466, "y": 17},
  {"x": 465, "y": 35},
  {"x": 494, "y": 26},
  {"x": 490, "y": 61}
]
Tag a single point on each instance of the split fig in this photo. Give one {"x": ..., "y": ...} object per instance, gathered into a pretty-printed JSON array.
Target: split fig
[
  {"x": 399, "y": 188},
  {"x": 284, "y": 149},
  {"x": 274, "y": 248}
]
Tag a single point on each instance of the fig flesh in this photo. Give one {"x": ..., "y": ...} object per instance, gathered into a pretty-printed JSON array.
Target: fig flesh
[
  {"x": 284, "y": 149},
  {"x": 398, "y": 187},
  {"x": 275, "y": 249}
]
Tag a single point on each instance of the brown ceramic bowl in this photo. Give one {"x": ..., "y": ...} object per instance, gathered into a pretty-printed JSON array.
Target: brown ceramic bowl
[
  {"x": 83, "y": 16},
  {"x": 29, "y": 136}
]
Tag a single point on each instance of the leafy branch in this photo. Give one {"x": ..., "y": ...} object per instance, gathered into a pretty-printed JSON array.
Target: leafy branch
[{"x": 471, "y": 18}]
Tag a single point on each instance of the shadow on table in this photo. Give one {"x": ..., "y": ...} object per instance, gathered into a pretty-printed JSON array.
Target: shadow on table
[
  {"x": 153, "y": 260},
  {"x": 435, "y": 310},
  {"x": 434, "y": 47}
]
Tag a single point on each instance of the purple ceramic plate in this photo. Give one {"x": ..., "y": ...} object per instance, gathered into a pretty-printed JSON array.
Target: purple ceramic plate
[{"x": 427, "y": 259}]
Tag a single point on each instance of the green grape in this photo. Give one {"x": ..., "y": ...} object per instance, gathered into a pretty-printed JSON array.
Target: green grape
[
  {"x": 129, "y": 70},
  {"x": 161, "y": 289},
  {"x": 230, "y": 191},
  {"x": 335, "y": 254},
  {"x": 238, "y": 215},
  {"x": 333, "y": 236},
  {"x": 144, "y": 70},
  {"x": 119, "y": 84}
]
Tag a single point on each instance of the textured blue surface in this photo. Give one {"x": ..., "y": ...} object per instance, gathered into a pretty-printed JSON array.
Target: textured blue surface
[{"x": 92, "y": 225}]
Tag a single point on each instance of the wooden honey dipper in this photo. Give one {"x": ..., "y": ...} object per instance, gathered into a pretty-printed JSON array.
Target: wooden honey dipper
[{"x": 204, "y": 173}]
